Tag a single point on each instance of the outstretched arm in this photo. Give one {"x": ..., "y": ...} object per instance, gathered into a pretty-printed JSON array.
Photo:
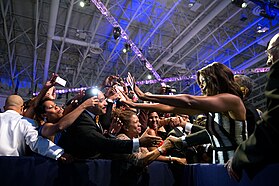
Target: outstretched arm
[
  {"x": 218, "y": 103},
  {"x": 50, "y": 129},
  {"x": 158, "y": 107}
]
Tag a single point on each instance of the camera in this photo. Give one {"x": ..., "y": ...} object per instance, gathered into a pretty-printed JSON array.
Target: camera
[{"x": 91, "y": 92}]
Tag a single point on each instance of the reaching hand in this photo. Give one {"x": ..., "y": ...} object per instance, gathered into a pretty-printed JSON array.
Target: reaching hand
[
  {"x": 232, "y": 173},
  {"x": 177, "y": 143},
  {"x": 167, "y": 145},
  {"x": 66, "y": 158},
  {"x": 131, "y": 81},
  {"x": 110, "y": 81},
  {"x": 51, "y": 94},
  {"x": 149, "y": 141},
  {"x": 91, "y": 102},
  {"x": 51, "y": 82},
  {"x": 111, "y": 93},
  {"x": 181, "y": 161}
]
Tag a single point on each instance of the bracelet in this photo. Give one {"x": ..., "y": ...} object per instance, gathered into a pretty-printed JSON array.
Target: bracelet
[
  {"x": 170, "y": 159},
  {"x": 160, "y": 150}
]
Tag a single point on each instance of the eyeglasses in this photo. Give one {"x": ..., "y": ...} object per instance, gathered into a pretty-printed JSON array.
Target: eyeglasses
[{"x": 269, "y": 51}]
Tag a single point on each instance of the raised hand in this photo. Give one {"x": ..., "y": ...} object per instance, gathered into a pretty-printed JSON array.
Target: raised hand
[
  {"x": 111, "y": 93},
  {"x": 110, "y": 81},
  {"x": 131, "y": 81},
  {"x": 90, "y": 102}
]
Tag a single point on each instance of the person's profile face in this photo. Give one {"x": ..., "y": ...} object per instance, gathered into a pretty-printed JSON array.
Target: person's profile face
[
  {"x": 203, "y": 84},
  {"x": 272, "y": 52},
  {"x": 52, "y": 111},
  {"x": 134, "y": 126},
  {"x": 102, "y": 104}
]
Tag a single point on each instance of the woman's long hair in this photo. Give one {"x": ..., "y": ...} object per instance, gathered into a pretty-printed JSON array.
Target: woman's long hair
[{"x": 219, "y": 79}]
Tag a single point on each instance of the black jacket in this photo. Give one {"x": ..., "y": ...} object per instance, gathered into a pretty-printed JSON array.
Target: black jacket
[{"x": 84, "y": 139}]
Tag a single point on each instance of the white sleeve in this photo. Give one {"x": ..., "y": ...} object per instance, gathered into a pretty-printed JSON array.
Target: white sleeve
[
  {"x": 39, "y": 144},
  {"x": 188, "y": 127},
  {"x": 135, "y": 145}
]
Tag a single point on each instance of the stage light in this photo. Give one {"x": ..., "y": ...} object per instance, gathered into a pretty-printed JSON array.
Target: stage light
[
  {"x": 191, "y": 3},
  {"x": 239, "y": 3},
  {"x": 81, "y": 4},
  {"x": 127, "y": 48},
  {"x": 116, "y": 32},
  {"x": 84, "y": 3},
  {"x": 262, "y": 29}
]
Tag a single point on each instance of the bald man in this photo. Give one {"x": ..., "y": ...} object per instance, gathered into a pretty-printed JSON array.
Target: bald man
[
  {"x": 17, "y": 131},
  {"x": 261, "y": 148}
]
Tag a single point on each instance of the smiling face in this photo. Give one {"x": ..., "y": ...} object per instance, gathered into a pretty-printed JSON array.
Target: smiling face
[
  {"x": 153, "y": 120},
  {"x": 133, "y": 129},
  {"x": 101, "y": 107},
  {"x": 52, "y": 112}
]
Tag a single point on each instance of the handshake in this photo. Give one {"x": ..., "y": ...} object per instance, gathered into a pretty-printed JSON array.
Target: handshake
[
  {"x": 155, "y": 141},
  {"x": 172, "y": 142}
]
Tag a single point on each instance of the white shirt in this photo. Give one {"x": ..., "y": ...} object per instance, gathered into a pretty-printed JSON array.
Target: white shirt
[{"x": 17, "y": 131}]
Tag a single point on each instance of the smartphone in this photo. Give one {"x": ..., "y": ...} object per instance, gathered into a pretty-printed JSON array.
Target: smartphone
[
  {"x": 91, "y": 92},
  {"x": 60, "y": 81}
]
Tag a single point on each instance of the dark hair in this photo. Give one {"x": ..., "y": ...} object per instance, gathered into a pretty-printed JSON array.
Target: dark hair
[
  {"x": 245, "y": 81},
  {"x": 40, "y": 109},
  {"x": 219, "y": 79}
]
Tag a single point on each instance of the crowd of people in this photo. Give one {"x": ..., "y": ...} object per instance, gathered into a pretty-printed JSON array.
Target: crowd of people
[{"x": 111, "y": 123}]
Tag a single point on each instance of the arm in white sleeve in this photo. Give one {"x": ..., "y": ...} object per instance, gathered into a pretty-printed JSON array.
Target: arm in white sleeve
[
  {"x": 39, "y": 144},
  {"x": 188, "y": 127},
  {"x": 135, "y": 145}
]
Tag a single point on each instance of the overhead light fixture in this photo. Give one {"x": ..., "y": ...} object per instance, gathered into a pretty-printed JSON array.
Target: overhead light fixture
[
  {"x": 239, "y": 3},
  {"x": 127, "y": 48},
  {"x": 116, "y": 32},
  {"x": 95, "y": 48},
  {"x": 84, "y": 3},
  {"x": 262, "y": 29},
  {"x": 191, "y": 3}
]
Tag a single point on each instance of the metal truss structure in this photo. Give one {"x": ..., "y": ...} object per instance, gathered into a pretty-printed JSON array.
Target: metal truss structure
[{"x": 41, "y": 37}]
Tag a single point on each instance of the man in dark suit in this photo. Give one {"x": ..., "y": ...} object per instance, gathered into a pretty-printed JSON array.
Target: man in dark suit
[
  {"x": 252, "y": 115},
  {"x": 261, "y": 148},
  {"x": 180, "y": 129},
  {"x": 84, "y": 138}
]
